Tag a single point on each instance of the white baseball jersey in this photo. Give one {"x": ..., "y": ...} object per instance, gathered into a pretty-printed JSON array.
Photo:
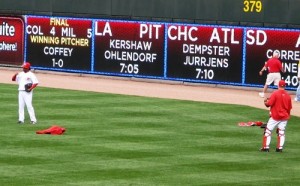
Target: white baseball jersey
[{"x": 25, "y": 78}]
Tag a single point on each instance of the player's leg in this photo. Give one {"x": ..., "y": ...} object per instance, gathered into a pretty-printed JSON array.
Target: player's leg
[
  {"x": 21, "y": 106},
  {"x": 297, "y": 98},
  {"x": 265, "y": 89},
  {"x": 268, "y": 134},
  {"x": 28, "y": 101},
  {"x": 277, "y": 78},
  {"x": 281, "y": 135},
  {"x": 266, "y": 140},
  {"x": 269, "y": 81}
]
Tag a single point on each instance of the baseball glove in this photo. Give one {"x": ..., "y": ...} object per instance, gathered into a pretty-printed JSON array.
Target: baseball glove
[
  {"x": 265, "y": 102},
  {"x": 28, "y": 86},
  {"x": 263, "y": 125}
]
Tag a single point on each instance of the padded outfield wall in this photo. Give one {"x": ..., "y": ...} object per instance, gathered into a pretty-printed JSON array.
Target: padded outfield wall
[
  {"x": 215, "y": 42},
  {"x": 270, "y": 13}
]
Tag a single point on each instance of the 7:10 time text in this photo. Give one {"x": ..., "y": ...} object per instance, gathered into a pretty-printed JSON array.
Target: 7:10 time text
[{"x": 204, "y": 73}]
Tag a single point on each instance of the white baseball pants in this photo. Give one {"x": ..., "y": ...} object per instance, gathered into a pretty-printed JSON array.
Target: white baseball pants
[
  {"x": 25, "y": 99},
  {"x": 281, "y": 125}
]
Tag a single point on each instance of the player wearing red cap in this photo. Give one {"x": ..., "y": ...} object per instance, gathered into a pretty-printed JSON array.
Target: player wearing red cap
[
  {"x": 281, "y": 105},
  {"x": 25, "y": 95}
]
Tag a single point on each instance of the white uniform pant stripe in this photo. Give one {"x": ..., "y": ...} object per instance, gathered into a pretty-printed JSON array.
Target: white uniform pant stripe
[{"x": 281, "y": 139}]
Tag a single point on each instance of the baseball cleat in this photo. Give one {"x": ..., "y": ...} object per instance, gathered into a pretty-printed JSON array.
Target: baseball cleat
[
  {"x": 278, "y": 150},
  {"x": 20, "y": 122},
  {"x": 264, "y": 150},
  {"x": 261, "y": 94}
]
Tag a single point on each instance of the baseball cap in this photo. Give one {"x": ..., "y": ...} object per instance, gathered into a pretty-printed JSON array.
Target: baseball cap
[
  {"x": 281, "y": 83},
  {"x": 26, "y": 65}
]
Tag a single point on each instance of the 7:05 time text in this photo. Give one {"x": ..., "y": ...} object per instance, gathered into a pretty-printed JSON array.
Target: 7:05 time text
[{"x": 129, "y": 68}]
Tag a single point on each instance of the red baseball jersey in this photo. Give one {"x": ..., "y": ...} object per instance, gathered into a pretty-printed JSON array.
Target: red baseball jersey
[
  {"x": 273, "y": 65},
  {"x": 281, "y": 105}
]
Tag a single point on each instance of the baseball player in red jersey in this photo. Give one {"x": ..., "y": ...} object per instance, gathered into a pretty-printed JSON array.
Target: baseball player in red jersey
[
  {"x": 274, "y": 67},
  {"x": 280, "y": 104},
  {"x": 25, "y": 95}
]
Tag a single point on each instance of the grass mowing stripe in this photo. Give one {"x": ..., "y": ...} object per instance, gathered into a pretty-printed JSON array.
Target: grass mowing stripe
[{"x": 130, "y": 140}]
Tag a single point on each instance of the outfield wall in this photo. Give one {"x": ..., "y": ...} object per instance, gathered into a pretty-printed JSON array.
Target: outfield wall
[
  {"x": 265, "y": 13},
  {"x": 202, "y": 41}
]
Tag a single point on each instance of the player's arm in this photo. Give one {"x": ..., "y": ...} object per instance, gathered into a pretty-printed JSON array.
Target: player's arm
[
  {"x": 264, "y": 68},
  {"x": 270, "y": 101},
  {"x": 14, "y": 77},
  {"x": 33, "y": 86},
  {"x": 266, "y": 102},
  {"x": 34, "y": 82},
  {"x": 282, "y": 68}
]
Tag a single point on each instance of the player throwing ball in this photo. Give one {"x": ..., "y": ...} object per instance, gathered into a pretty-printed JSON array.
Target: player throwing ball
[{"x": 27, "y": 82}]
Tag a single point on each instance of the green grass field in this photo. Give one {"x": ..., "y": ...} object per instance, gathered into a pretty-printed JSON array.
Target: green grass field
[{"x": 129, "y": 140}]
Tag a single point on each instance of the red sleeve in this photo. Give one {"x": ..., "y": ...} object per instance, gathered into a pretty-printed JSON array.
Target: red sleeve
[
  {"x": 267, "y": 64},
  {"x": 14, "y": 77},
  {"x": 271, "y": 100}
]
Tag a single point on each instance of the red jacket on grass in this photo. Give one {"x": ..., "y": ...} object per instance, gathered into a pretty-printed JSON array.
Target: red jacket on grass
[{"x": 54, "y": 130}]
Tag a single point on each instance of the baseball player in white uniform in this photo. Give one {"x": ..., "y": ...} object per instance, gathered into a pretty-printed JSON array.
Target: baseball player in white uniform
[{"x": 25, "y": 96}]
